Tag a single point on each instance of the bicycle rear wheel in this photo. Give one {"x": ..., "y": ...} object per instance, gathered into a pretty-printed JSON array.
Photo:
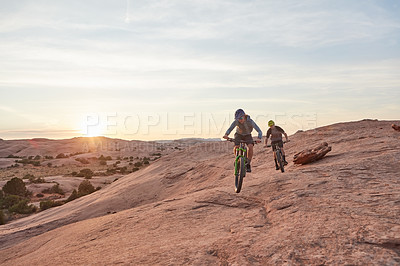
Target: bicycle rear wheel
[
  {"x": 280, "y": 160},
  {"x": 240, "y": 174}
]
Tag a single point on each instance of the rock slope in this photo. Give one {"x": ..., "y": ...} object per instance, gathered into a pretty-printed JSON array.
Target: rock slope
[{"x": 343, "y": 209}]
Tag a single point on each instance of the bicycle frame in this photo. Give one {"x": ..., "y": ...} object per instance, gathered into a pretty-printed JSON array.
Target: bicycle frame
[{"x": 241, "y": 151}]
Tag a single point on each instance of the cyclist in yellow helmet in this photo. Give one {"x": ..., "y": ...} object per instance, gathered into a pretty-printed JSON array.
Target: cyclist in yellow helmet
[{"x": 276, "y": 139}]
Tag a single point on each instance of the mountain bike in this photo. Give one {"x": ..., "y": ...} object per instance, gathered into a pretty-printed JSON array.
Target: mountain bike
[
  {"x": 240, "y": 164},
  {"x": 279, "y": 156}
]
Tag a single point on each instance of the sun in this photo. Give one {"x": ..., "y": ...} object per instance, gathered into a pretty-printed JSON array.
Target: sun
[
  {"x": 91, "y": 130},
  {"x": 94, "y": 131}
]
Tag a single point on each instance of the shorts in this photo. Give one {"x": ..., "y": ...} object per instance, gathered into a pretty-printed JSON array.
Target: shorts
[
  {"x": 247, "y": 138},
  {"x": 276, "y": 143}
]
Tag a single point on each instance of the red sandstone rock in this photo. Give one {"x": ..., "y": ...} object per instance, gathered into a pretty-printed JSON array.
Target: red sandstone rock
[{"x": 312, "y": 155}]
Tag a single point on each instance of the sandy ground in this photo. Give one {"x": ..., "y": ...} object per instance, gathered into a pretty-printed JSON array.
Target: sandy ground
[{"x": 182, "y": 209}]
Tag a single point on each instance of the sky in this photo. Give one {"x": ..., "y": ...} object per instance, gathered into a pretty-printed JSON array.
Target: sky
[{"x": 172, "y": 69}]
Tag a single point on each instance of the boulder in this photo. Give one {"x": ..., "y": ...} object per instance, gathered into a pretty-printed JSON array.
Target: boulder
[
  {"x": 396, "y": 127},
  {"x": 311, "y": 155}
]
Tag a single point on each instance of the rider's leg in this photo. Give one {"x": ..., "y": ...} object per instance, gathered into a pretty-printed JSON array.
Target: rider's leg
[
  {"x": 250, "y": 152},
  {"x": 276, "y": 163},
  {"x": 234, "y": 149},
  {"x": 284, "y": 155}
]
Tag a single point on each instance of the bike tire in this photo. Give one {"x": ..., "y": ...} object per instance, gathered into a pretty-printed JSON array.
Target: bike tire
[
  {"x": 240, "y": 175},
  {"x": 280, "y": 161}
]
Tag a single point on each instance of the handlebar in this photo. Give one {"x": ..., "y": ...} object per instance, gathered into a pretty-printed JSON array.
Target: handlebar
[
  {"x": 286, "y": 141},
  {"x": 241, "y": 141}
]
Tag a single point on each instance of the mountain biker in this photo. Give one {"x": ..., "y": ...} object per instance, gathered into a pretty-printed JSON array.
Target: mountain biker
[
  {"x": 276, "y": 139},
  {"x": 244, "y": 126}
]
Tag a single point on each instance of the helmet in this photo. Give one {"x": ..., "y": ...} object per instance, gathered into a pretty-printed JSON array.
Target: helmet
[
  {"x": 271, "y": 123},
  {"x": 239, "y": 113}
]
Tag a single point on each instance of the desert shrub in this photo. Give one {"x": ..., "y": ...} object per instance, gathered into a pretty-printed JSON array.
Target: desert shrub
[
  {"x": 111, "y": 171},
  {"x": 44, "y": 205},
  {"x": 33, "y": 179},
  {"x": 123, "y": 170},
  {"x": 103, "y": 162},
  {"x": 15, "y": 187},
  {"x": 146, "y": 162},
  {"x": 73, "y": 196},
  {"x": 29, "y": 161},
  {"x": 135, "y": 169},
  {"x": 39, "y": 195},
  {"x": 49, "y": 165},
  {"x": 82, "y": 160},
  {"x": 48, "y": 157},
  {"x": 22, "y": 207},
  {"x": 37, "y": 157},
  {"x": 54, "y": 189},
  {"x": 86, "y": 173},
  {"x": 61, "y": 156},
  {"x": 138, "y": 164},
  {"x": 2, "y": 218},
  {"x": 10, "y": 200},
  {"x": 108, "y": 158},
  {"x": 28, "y": 176},
  {"x": 85, "y": 188},
  {"x": 74, "y": 173}
]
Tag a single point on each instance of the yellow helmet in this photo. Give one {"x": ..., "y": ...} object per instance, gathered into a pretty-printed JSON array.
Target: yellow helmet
[{"x": 271, "y": 123}]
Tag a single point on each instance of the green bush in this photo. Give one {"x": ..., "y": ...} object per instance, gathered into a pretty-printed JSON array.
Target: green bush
[
  {"x": 10, "y": 200},
  {"x": 85, "y": 188},
  {"x": 35, "y": 180},
  {"x": 82, "y": 160},
  {"x": 28, "y": 176},
  {"x": 61, "y": 156},
  {"x": 73, "y": 196},
  {"x": 44, "y": 205},
  {"x": 15, "y": 187},
  {"x": 54, "y": 189},
  {"x": 86, "y": 173},
  {"x": 138, "y": 164},
  {"x": 22, "y": 207}
]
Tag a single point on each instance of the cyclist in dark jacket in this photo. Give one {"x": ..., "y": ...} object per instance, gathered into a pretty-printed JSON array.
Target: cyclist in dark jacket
[
  {"x": 244, "y": 126},
  {"x": 276, "y": 139}
]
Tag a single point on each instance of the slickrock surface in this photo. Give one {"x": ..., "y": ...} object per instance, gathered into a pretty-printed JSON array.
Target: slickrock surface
[{"x": 342, "y": 209}]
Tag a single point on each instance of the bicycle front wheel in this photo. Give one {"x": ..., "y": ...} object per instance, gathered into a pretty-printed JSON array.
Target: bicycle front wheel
[
  {"x": 240, "y": 175},
  {"x": 280, "y": 160}
]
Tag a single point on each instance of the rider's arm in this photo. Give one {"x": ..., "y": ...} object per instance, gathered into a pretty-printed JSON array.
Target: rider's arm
[
  {"x": 267, "y": 137},
  {"x": 233, "y": 125},
  {"x": 287, "y": 139},
  {"x": 283, "y": 132},
  {"x": 257, "y": 129}
]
